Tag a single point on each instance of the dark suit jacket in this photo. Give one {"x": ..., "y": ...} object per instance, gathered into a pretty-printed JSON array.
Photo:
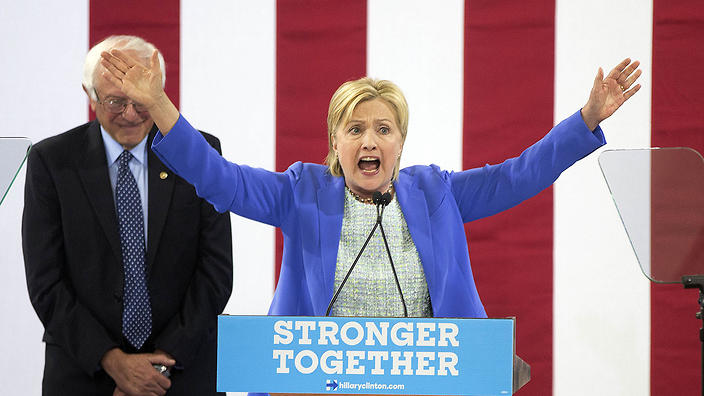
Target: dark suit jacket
[{"x": 74, "y": 268}]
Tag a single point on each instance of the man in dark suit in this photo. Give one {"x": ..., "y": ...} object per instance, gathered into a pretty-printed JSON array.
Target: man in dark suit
[{"x": 126, "y": 267}]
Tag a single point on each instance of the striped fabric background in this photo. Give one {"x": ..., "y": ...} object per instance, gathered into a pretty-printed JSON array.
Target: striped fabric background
[{"x": 484, "y": 79}]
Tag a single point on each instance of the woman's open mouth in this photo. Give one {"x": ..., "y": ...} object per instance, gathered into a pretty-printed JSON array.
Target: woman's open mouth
[{"x": 369, "y": 165}]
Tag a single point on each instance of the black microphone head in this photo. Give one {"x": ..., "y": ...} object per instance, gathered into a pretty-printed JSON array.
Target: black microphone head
[
  {"x": 386, "y": 199},
  {"x": 377, "y": 198}
]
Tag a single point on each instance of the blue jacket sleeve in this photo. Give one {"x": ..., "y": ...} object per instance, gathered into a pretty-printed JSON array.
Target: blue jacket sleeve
[
  {"x": 254, "y": 193},
  {"x": 484, "y": 191}
]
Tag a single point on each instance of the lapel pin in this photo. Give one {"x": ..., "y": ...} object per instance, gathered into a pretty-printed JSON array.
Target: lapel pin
[{"x": 163, "y": 175}]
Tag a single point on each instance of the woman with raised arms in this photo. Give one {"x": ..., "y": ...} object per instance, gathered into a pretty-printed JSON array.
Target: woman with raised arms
[{"x": 326, "y": 212}]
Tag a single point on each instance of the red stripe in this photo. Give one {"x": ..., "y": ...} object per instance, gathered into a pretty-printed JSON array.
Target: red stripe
[
  {"x": 157, "y": 21},
  {"x": 678, "y": 53},
  {"x": 508, "y": 104},
  {"x": 319, "y": 45}
]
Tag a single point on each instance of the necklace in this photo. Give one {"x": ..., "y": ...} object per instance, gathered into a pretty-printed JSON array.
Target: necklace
[{"x": 368, "y": 201}]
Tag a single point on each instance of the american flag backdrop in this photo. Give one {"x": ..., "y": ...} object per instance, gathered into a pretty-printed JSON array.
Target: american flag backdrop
[{"x": 484, "y": 79}]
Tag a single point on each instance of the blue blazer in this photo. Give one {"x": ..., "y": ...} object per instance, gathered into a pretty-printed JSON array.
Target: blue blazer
[{"x": 306, "y": 202}]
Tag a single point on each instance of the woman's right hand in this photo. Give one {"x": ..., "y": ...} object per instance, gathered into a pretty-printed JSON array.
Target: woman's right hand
[{"x": 142, "y": 84}]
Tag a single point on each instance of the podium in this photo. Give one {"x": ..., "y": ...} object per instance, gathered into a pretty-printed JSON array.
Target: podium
[
  {"x": 328, "y": 355},
  {"x": 13, "y": 153}
]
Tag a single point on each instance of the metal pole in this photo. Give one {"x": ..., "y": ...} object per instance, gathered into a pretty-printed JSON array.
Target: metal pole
[{"x": 691, "y": 282}]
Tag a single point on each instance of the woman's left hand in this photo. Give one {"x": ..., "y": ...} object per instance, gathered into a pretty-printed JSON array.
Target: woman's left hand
[{"x": 608, "y": 94}]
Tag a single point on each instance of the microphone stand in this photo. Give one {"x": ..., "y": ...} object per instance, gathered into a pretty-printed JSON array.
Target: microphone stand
[
  {"x": 380, "y": 201},
  {"x": 376, "y": 198},
  {"x": 385, "y": 201}
]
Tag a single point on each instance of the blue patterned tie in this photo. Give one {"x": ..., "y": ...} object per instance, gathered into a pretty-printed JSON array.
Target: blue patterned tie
[{"x": 136, "y": 310}]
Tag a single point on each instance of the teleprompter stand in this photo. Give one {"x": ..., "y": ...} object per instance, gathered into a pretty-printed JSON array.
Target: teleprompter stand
[
  {"x": 659, "y": 194},
  {"x": 692, "y": 282}
]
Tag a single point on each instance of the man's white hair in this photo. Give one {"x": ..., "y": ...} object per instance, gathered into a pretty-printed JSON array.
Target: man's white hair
[{"x": 143, "y": 48}]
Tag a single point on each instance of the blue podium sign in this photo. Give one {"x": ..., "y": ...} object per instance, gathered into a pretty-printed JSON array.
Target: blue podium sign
[{"x": 422, "y": 356}]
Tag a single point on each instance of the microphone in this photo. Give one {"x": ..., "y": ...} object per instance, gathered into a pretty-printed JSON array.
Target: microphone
[
  {"x": 380, "y": 200},
  {"x": 383, "y": 201},
  {"x": 377, "y": 198}
]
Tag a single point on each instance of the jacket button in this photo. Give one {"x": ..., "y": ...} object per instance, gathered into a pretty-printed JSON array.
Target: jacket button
[{"x": 118, "y": 296}]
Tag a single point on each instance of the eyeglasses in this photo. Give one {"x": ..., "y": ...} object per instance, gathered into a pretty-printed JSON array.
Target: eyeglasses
[{"x": 118, "y": 105}]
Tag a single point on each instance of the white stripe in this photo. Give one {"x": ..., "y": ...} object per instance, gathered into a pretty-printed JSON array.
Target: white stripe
[
  {"x": 43, "y": 48},
  {"x": 419, "y": 46},
  {"x": 228, "y": 89},
  {"x": 602, "y": 300}
]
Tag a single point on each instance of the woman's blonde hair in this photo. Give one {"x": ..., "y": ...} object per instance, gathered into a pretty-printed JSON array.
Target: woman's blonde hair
[{"x": 346, "y": 99}]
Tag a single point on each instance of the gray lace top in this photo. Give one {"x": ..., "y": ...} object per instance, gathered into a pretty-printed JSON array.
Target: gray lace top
[{"x": 371, "y": 289}]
